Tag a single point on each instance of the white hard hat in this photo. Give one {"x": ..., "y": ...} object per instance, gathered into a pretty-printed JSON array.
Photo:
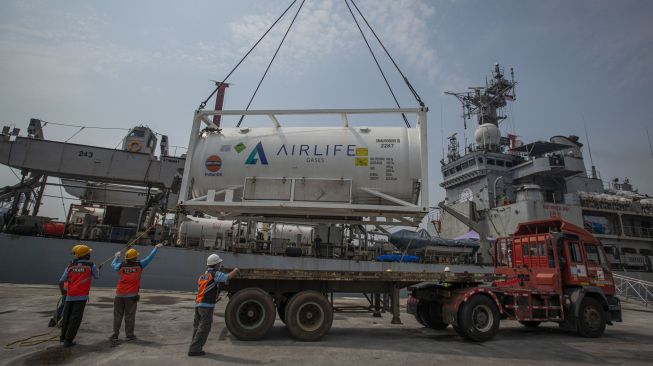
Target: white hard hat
[
  {"x": 213, "y": 259},
  {"x": 447, "y": 269}
]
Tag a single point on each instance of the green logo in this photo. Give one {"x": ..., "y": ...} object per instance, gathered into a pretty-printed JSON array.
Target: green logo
[{"x": 240, "y": 147}]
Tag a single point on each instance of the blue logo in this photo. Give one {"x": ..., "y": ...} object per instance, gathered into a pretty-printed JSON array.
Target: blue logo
[{"x": 258, "y": 151}]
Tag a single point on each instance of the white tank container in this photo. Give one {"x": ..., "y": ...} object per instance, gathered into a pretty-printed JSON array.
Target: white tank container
[
  {"x": 329, "y": 164},
  {"x": 198, "y": 228},
  {"x": 292, "y": 233}
]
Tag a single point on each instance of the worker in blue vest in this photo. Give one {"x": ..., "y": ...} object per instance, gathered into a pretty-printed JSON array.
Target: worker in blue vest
[
  {"x": 129, "y": 284},
  {"x": 78, "y": 276}
]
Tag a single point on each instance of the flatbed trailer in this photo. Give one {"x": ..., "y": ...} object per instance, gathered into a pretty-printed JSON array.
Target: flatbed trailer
[{"x": 303, "y": 299}]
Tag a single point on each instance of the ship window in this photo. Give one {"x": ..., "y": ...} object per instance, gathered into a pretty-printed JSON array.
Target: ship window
[
  {"x": 646, "y": 252},
  {"x": 464, "y": 165},
  {"x": 628, "y": 250},
  {"x": 500, "y": 162},
  {"x": 508, "y": 164},
  {"x": 490, "y": 161},
  {"x": 137, "y": 133},
  {"x": 458, "y": 168},
  {"x": 592, "y": 253},
  {"x": 480, "y": 160}
]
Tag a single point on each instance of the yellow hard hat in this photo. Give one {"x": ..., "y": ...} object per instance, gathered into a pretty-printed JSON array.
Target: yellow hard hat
[
  {"x": 74, "y": 249},
  {"x": 131, "y": 254},
  {"x": 81, "y": 250}
]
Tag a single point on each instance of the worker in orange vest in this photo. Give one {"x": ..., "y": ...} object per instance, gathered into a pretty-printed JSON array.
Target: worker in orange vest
[
  {"x": 77, "y": 276},
  {"x": 207, "y": 295},
  {"x": 129, "y": 284}
]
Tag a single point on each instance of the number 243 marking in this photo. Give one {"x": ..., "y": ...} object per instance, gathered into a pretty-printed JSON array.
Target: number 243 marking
[{"x": 87, "y": 154}]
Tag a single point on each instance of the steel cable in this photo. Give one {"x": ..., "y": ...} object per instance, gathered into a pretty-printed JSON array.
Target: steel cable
[
  {"x": 270, "y": 63},
  {"x": 377, "y": 62},
  {"x": 203, "y": 104}
]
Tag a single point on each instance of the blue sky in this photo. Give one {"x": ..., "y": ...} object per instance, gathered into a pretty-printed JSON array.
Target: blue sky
[{"x": 122, "y": 63}]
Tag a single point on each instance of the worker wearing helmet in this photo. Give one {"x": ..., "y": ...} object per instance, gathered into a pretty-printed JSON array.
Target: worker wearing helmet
[
  {"x": 58, "y": 314},
  {"x": 75, "y": 284},
  {"x": 129, "y": 283},
  {"x": 207, "y": 295}
]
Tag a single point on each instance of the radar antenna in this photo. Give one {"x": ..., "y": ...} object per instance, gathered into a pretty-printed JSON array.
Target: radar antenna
[{"x": 485, "y": 102}]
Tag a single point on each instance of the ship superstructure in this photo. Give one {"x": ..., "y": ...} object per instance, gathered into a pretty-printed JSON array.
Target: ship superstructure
[{"x": 498, "y": 181}]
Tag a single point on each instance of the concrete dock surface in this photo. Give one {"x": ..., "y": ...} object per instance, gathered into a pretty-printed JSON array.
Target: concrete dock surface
[{"x": 164, "y": 328}]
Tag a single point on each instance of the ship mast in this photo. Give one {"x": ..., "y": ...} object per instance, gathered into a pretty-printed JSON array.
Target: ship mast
[{"x": 485, "y": 102}]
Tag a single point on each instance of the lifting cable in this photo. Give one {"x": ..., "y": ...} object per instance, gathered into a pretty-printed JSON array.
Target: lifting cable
[
  {"x": 410, "y": 87},
  {"x": 271, "y": 61},
  {"x": 376, "y": 61},
  {"x": 203, "y": 104}
]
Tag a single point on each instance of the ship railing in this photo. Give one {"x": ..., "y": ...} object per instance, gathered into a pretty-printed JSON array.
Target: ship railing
[
  {"x": 633, "y": 289},
  {"x": 640, "y": 232}
]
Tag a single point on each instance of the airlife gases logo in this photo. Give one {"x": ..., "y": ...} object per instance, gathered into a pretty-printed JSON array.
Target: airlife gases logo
[
  {"x": 213, "y": 165},
  {"x": 257, "y": 154}
]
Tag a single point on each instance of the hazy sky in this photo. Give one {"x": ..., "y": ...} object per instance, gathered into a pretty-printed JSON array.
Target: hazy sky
[{"x": 122, "y": 63}]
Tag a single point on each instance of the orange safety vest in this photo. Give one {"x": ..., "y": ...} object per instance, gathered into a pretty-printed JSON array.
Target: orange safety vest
[
  {"x": 79, "y": 278},
  {"x": 207, "y": 289},
  {"x": 129, "y": 278}
]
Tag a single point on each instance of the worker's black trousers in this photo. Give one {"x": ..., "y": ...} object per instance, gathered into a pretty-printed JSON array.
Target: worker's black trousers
[
  {"x": 201, "y": 328},
  {"x": 73, "y": 312},
  {"x": 124, "y": 306}
]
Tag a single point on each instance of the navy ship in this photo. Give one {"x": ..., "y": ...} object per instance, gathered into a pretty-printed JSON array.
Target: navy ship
[{"x": 498, "y": 181}]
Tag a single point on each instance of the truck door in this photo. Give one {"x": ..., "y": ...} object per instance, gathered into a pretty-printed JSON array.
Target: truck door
[
  {"x": 598, "y": 269},
  {"x": 575, "y": 270}
]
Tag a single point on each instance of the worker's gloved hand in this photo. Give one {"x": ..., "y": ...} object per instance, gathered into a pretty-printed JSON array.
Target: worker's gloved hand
[
  {"x": 117, "y": 254},
  {"x": 64, "y": 292},
  {"x": 159, "y": 245}
]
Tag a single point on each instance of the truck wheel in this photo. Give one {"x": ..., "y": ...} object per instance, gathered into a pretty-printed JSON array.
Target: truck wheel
[
  {"x": 250, "y": 314},
  {"x": 530, "y": 323},
  {"x": 591, "y": 318},
  {"x": 478, "y": 319},
  {"x": 308, "y": 316},
  {"x": 419, "y": 319},
  {"x": 431, "y": 314}
]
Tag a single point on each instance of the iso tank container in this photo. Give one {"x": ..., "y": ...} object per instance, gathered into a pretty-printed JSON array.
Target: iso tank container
[{"x": 309, "y": 164}]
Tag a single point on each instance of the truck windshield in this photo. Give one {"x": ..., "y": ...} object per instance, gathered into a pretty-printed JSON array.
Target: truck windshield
[{"x": 592, "y": 252}]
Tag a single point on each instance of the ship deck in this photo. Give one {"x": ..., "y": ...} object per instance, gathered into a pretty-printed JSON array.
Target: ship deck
[{"x": 164, "y": 327}]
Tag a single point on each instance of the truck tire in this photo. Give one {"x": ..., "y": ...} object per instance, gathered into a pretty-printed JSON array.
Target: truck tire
[
  {"x": 309, "y": 316},
  {"x": 431, "y": 315},
  {"x": 250, "y": 314},
  {"x": 530, "y": 323},
  {"x": 293, "y": 252},
  {"x": 591, "y": 318},
  {"x": 419, "y": 319},
  {"x": 478, "y": 319}
]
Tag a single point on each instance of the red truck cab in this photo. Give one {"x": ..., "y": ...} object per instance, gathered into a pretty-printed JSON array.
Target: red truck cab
[{"x": 553, "y": 271}]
